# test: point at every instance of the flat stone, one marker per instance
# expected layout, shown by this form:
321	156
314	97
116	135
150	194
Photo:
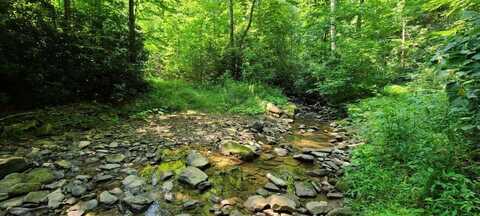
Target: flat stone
344	211
255	203
64	164
20	211
203	186
55	199
335	195
317	207
23	188
318	172
40	175
281	203
192	176
137	202
107	198
276	180
304	157
304	189
272	187
196	159
190	204
3	196
134	184
10	203
78	190
115	158
36	197
281	152
166	175
55	185
244	152
81	208
109	166
12	165
84	144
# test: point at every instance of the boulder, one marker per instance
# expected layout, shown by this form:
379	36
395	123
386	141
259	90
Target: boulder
12	165
196	159
192	176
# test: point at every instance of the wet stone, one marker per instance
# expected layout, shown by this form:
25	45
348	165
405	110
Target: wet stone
304	189
192	176
335	195
276	180
255	203
138	202
272	187
12	165
82	207
55	199
115	158
317	207
107	198
36	197
281	203
304	157
134	184
190	204
195	159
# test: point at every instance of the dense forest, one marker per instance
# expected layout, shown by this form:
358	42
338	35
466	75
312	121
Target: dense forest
239	107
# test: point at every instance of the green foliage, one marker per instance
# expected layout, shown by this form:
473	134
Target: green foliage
45	59
414	159
231	96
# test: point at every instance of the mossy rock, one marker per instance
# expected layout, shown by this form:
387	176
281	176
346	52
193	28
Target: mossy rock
341	185
9	181
23	188
36	197
242	151
40	176
12	165
290	109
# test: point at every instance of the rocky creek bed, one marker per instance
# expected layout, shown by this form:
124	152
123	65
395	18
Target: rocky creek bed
181	164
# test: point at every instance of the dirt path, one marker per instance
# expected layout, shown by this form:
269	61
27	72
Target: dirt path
184	163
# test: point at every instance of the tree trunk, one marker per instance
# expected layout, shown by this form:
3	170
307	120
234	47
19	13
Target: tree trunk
131	31
333	28
359	16
232	23
66	12
250	19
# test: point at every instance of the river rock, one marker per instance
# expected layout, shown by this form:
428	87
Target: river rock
82	207
343	211
137	202
270	107
12	165
304	157
276	180
107	198
115	158
64	164
196	159
317	207
192	176
281	152
304	189
334	195
78	190
10	203
55	199
36	197
281	203
272	187
134	184
255	203
84	144
244	152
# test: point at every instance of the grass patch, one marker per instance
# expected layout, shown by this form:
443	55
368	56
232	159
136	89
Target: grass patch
229	97
414	162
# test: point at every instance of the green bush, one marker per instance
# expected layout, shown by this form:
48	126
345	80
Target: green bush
413	162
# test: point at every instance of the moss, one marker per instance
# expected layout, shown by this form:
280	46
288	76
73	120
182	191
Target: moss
40	175
244	152
23	188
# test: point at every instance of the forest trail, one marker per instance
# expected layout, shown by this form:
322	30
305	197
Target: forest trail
182	163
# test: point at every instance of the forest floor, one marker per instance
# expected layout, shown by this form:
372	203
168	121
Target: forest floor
187	163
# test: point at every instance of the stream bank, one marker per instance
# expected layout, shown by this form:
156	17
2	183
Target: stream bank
183	163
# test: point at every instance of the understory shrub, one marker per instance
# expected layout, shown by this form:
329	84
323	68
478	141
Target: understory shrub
414	162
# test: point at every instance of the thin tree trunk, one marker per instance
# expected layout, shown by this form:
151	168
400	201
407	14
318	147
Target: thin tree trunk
403	45
333	28
232	23
131	29
250	19
66	12
359	16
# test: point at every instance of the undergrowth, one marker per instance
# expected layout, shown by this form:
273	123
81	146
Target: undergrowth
228	97
415	161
